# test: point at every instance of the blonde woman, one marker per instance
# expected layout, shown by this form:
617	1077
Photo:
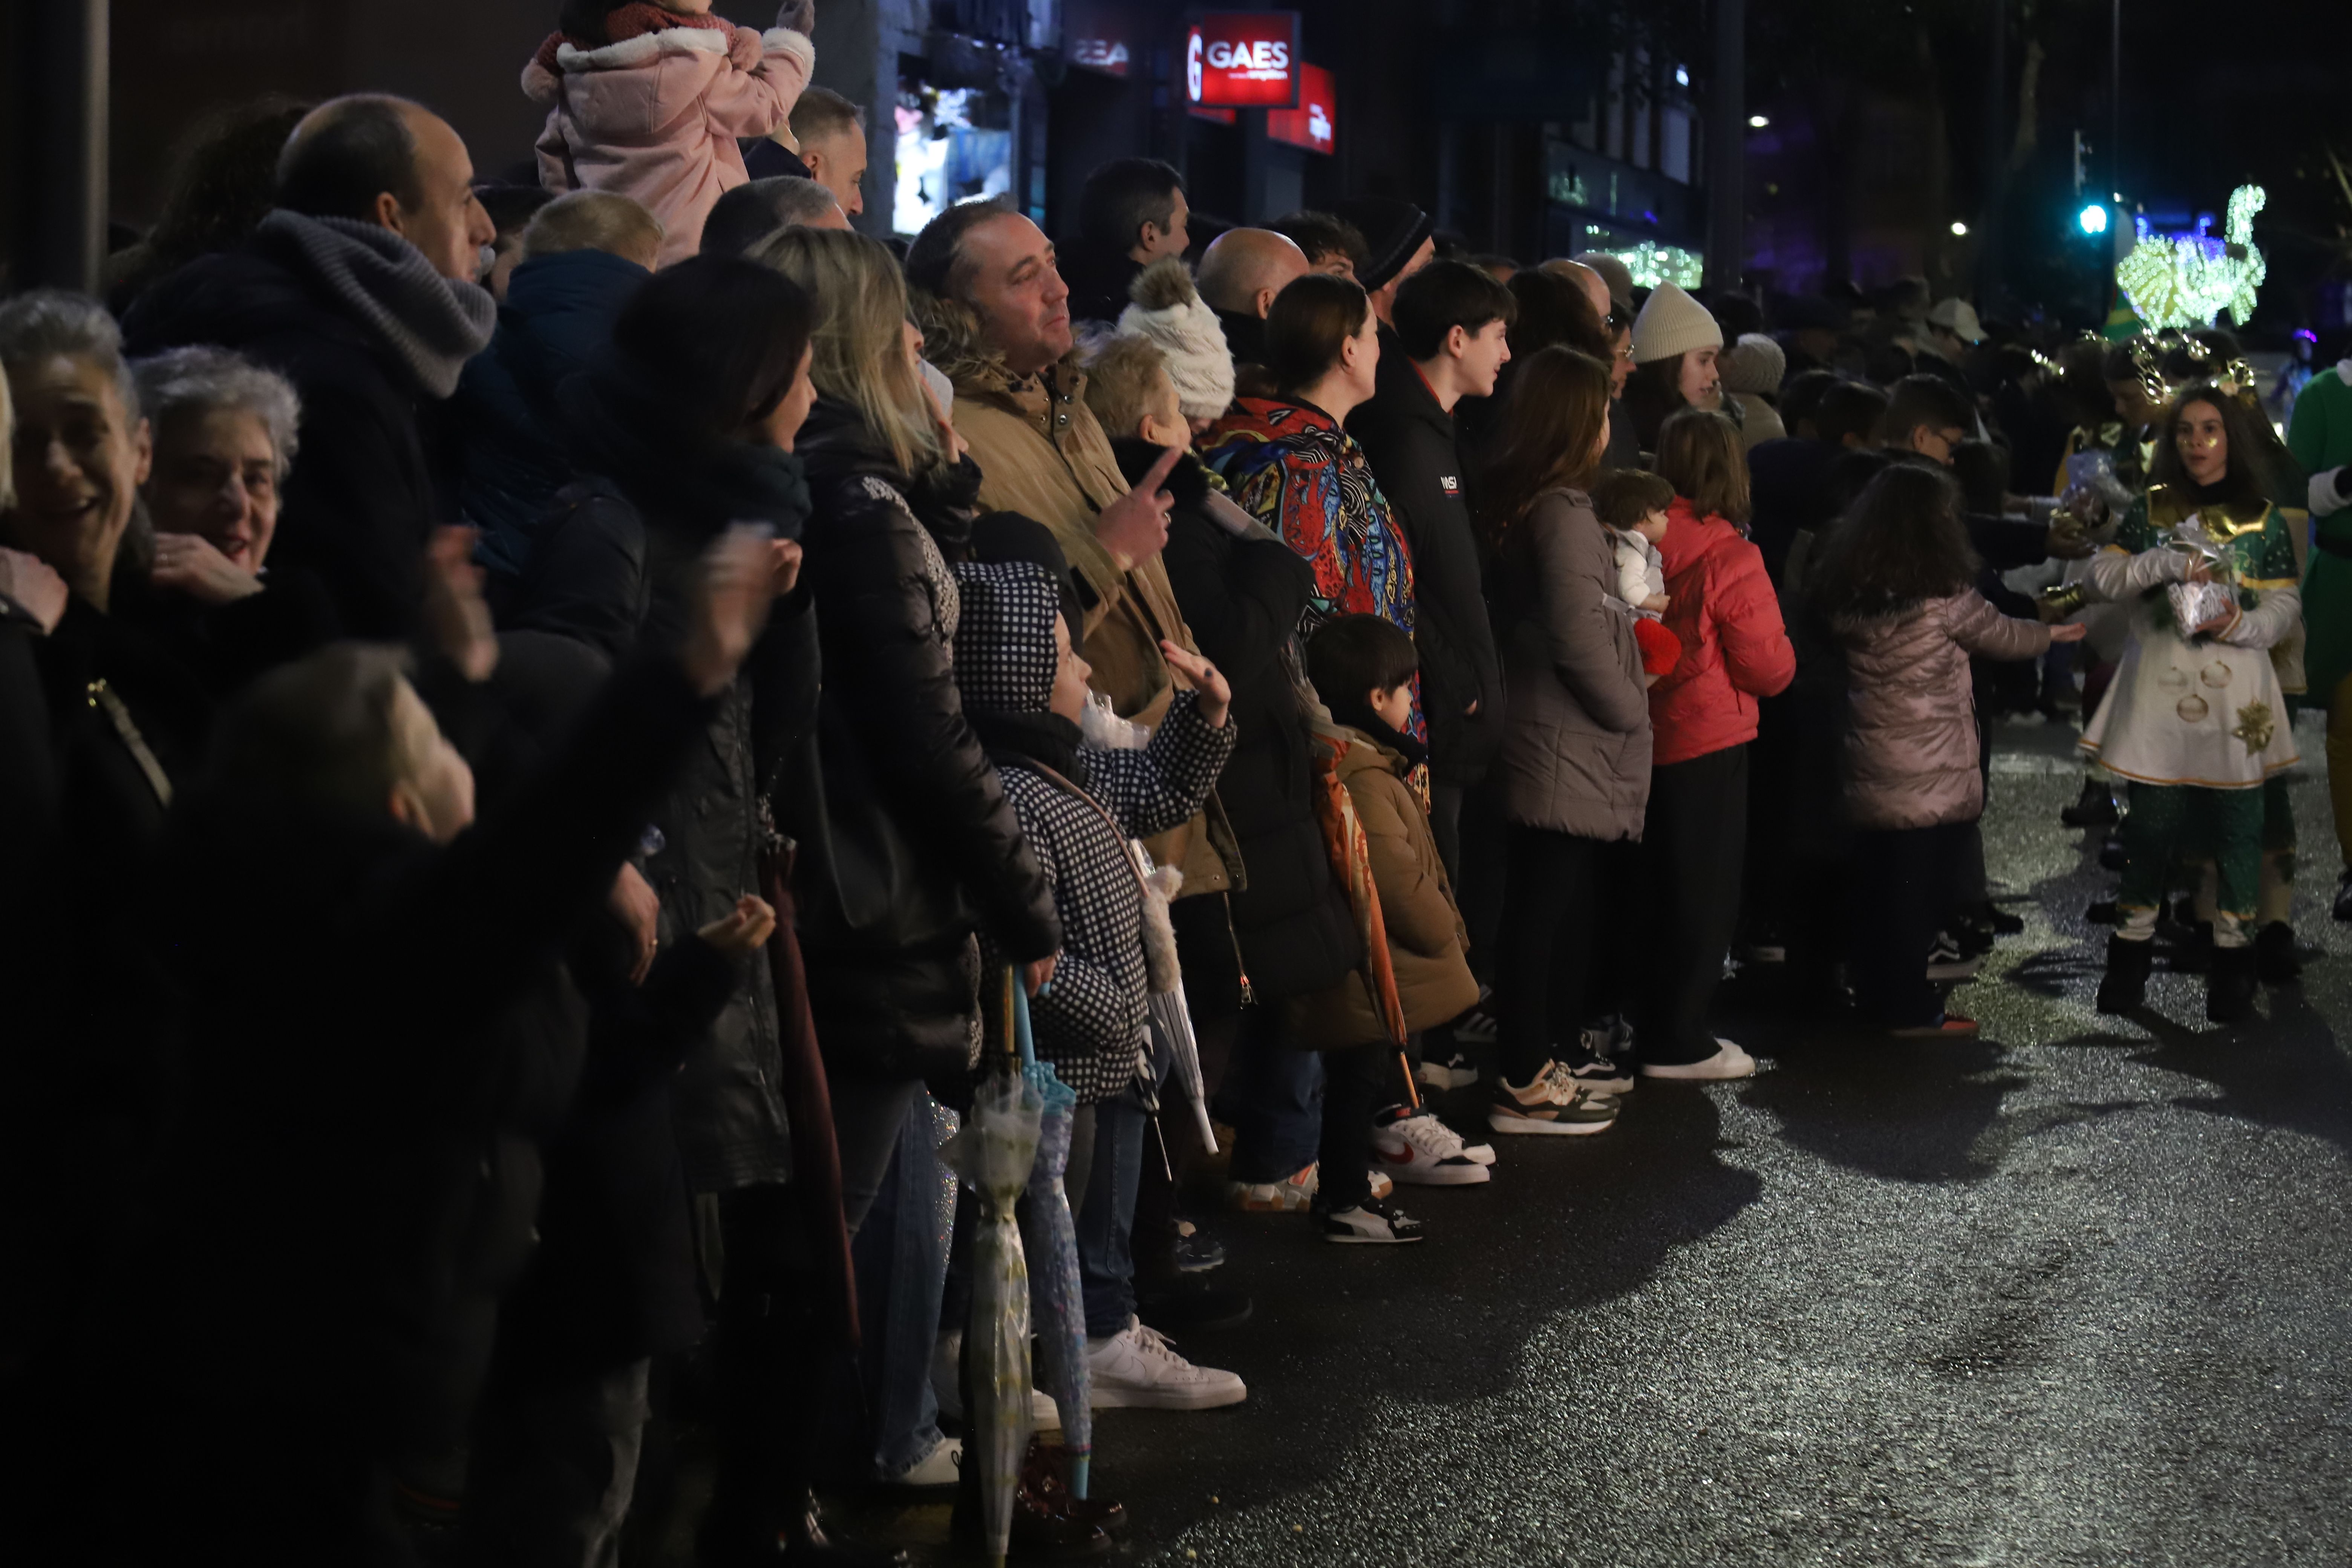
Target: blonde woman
910	849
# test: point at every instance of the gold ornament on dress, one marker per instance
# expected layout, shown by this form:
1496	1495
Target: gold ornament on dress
2254	726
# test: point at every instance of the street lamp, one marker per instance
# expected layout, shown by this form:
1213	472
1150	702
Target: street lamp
1960	229
1757	122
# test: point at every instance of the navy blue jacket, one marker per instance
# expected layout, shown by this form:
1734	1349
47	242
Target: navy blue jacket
559	311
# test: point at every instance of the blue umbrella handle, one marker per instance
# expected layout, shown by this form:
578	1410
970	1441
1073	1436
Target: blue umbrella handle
1021	1024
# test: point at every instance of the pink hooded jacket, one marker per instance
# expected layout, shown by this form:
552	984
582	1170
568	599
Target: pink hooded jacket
654	117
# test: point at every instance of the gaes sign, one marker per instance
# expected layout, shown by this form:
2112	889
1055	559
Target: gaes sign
1243	59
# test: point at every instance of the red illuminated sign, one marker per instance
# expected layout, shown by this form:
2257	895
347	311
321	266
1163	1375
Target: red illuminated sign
1243	59
1311	125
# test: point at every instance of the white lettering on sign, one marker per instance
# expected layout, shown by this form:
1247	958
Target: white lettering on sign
1265	59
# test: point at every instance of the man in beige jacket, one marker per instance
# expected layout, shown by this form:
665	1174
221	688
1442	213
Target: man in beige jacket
995	317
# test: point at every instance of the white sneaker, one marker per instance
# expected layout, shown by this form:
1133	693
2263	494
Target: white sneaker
1289	1195
1423	1152
1043	1414
940	1468
1551	1103
1728	1062
1137	1369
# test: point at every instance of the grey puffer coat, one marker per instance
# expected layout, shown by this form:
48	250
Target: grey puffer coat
1911	742
1576	735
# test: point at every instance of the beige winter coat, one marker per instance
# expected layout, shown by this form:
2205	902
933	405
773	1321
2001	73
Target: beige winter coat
1911	748
1576	726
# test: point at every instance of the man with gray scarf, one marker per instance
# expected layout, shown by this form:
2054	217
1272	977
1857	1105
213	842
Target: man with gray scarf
359	286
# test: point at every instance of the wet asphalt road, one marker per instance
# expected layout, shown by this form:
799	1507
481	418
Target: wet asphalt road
2072	1294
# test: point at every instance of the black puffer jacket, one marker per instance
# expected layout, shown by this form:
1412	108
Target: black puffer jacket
895	767
1411	442
613	572
1242	593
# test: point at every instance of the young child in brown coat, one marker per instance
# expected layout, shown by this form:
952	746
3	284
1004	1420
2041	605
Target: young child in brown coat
1362	668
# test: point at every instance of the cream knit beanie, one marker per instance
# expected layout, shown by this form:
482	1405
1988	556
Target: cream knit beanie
1672	324
1755	363
1168	311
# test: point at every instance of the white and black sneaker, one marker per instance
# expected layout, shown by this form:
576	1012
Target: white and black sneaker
1370	1224
1946	960
1446	1068
1420	1150
1587	1063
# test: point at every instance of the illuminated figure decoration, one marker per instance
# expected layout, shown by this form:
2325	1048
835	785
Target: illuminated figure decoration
2187	279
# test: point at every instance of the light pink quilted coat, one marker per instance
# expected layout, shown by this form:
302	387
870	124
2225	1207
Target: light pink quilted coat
654	117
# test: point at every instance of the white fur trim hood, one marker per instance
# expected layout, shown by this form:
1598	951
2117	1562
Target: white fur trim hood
646	48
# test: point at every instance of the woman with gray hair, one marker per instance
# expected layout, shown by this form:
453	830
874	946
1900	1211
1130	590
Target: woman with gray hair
225	434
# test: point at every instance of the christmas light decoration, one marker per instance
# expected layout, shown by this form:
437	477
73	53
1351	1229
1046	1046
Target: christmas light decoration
1652	264
2187	279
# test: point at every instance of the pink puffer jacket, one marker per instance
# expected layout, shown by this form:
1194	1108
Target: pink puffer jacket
654	117
1911	750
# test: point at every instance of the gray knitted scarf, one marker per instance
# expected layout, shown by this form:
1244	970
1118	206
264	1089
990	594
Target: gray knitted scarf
434	324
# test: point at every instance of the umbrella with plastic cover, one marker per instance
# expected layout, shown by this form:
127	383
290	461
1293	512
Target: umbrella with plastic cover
993	1153
1052	1238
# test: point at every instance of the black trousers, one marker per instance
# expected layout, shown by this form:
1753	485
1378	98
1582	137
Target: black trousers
1902	886
1694	845
1356	1082
1550	904
768	1387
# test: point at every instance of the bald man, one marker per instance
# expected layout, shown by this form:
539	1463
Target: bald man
1595	286
1240	272
358	288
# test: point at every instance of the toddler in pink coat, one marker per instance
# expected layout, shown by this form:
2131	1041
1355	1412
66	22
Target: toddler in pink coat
647	100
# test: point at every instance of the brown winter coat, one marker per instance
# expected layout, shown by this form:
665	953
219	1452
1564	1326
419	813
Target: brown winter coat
1043	453
1427	942
1911	745
1576	732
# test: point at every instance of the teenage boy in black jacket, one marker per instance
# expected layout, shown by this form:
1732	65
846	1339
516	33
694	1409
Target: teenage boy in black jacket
1451	318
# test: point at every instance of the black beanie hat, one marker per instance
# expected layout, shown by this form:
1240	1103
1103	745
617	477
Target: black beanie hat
1393	228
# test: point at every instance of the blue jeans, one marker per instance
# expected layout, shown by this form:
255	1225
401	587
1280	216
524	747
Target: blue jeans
1272	1099
901	1255
1106	1216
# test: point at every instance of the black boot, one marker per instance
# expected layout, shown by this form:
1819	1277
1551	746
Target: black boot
2095	807
2124	985
2229	988
2274	956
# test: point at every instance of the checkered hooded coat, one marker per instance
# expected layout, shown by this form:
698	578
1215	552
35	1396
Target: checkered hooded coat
1090	1024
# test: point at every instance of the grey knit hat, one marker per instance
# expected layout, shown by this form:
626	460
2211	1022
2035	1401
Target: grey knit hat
1755	363
1168	311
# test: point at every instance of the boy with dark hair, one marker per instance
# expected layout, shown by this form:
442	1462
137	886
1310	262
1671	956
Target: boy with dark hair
1132	212
1332	245
1362	668
1448	343
1925	415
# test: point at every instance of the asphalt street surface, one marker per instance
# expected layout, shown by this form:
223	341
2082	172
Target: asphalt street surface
2075	1293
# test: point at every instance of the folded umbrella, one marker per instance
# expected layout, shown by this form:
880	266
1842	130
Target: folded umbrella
1057	1303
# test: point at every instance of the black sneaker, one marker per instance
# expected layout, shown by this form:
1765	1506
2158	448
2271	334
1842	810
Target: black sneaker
1946	961
2002	922
2095	807
1370	1224
1190	1306
1478	1026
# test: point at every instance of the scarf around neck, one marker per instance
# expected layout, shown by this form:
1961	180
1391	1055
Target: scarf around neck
431	323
